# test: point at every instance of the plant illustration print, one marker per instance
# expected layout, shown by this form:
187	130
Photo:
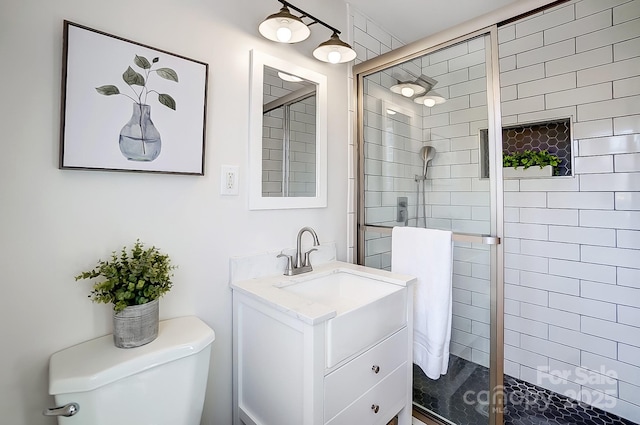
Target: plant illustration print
133	78
139	138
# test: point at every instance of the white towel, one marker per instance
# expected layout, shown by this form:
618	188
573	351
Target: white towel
428	255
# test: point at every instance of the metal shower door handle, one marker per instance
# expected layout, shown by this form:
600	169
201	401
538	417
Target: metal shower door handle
67	410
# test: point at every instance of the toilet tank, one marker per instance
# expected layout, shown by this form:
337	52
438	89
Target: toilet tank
160	383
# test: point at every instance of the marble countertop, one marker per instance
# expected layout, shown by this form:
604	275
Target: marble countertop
268	290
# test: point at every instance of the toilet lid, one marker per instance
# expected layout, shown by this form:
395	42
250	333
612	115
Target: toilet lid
92	364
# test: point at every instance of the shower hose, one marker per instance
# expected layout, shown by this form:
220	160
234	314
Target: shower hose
424	202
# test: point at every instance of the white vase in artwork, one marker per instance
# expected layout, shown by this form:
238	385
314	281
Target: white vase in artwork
139	138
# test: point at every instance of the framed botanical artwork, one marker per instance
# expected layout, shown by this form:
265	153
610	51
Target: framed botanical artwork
130	107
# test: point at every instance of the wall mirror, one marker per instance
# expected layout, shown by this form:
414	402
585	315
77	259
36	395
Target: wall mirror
288	135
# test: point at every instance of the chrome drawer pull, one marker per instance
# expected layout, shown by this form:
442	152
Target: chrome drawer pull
375	368
375	408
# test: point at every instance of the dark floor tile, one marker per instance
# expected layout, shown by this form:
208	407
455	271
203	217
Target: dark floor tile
462	397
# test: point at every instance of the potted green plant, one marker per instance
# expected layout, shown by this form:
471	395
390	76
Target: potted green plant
544	161
133	282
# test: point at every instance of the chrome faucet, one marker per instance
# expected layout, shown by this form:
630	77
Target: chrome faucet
301	263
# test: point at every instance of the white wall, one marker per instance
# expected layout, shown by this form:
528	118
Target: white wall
55	223
572	297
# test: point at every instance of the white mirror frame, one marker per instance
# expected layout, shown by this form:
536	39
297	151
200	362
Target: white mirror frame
256	201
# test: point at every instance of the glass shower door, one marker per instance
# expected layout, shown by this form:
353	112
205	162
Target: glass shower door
427	159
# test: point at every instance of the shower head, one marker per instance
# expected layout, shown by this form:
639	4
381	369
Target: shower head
426	153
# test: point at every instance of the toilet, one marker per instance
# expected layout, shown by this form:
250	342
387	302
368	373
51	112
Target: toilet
160	383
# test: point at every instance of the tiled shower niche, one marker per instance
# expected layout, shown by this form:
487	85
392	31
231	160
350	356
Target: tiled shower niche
552	136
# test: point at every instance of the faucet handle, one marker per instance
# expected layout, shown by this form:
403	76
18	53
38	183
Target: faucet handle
288	271
307	261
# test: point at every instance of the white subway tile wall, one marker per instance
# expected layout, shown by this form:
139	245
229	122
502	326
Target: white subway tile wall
573	264
457	199
572	273
368	40
301	158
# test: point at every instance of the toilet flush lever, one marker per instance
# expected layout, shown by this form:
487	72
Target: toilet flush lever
68	409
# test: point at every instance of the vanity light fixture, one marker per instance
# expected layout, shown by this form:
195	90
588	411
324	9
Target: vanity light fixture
288	77
408	89
285	27
430	99
334	50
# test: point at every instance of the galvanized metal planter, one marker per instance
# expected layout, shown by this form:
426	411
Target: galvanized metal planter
136	325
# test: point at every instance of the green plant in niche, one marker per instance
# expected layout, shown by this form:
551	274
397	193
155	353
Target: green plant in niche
529	158
133	78
131	278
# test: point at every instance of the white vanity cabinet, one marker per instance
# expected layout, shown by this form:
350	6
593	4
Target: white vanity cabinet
372	387
288	369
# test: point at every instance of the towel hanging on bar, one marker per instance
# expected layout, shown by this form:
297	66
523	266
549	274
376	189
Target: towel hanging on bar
428	255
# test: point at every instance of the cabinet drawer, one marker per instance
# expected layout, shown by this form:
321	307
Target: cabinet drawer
349	382
379	404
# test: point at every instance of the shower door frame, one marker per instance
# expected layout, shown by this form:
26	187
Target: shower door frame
411	51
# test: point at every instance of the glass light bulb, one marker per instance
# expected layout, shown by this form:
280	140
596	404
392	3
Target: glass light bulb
334	56
429	102
407	91
283	34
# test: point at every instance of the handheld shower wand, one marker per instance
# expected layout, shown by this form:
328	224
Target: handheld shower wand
427	153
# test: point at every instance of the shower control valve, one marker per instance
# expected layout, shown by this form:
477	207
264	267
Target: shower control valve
402	215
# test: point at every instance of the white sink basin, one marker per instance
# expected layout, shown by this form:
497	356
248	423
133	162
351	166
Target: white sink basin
341	290
367	308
